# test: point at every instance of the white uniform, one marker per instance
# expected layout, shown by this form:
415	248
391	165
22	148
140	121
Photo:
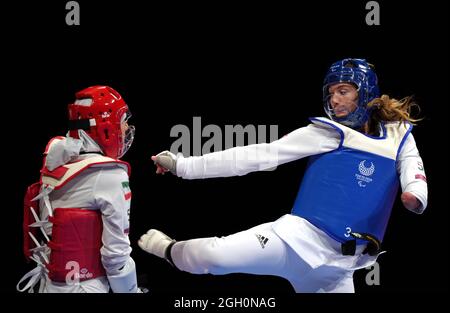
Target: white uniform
96	188
312	261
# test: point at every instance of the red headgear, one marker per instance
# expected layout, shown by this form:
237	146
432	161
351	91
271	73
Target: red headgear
100	111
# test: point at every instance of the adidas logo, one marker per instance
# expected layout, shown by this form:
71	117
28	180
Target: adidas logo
262	240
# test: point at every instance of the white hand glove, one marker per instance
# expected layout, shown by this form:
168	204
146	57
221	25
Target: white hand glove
165	161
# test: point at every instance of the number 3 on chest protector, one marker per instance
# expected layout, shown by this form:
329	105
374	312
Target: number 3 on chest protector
349	230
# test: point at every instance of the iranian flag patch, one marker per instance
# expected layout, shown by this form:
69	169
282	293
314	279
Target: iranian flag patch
127	190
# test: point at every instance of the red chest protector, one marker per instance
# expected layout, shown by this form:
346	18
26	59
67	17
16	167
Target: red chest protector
76	232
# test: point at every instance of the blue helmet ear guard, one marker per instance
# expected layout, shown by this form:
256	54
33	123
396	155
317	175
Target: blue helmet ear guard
359	73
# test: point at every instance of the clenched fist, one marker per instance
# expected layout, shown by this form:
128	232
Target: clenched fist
165	161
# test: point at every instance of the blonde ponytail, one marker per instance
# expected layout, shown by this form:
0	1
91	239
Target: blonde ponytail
390	109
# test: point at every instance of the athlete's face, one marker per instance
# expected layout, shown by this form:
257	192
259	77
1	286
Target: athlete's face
124	127
127	134
343	98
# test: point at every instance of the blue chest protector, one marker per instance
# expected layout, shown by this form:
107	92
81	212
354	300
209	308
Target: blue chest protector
352	188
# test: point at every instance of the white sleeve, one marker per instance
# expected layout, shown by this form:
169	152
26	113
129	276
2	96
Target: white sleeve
412	173
111	193
306	141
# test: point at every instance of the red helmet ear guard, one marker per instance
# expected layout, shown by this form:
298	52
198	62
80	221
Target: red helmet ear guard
98	110
106	133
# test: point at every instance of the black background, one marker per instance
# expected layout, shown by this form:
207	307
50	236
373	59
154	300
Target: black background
229	63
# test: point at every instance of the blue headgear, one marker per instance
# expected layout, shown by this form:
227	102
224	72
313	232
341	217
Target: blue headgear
359	73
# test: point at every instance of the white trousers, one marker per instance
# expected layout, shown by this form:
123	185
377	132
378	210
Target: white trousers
96	285
260	250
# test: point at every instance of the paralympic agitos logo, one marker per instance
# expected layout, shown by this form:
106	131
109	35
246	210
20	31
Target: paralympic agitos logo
366	170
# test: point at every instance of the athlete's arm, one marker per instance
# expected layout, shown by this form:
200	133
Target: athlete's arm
238	161
412	177
112	195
